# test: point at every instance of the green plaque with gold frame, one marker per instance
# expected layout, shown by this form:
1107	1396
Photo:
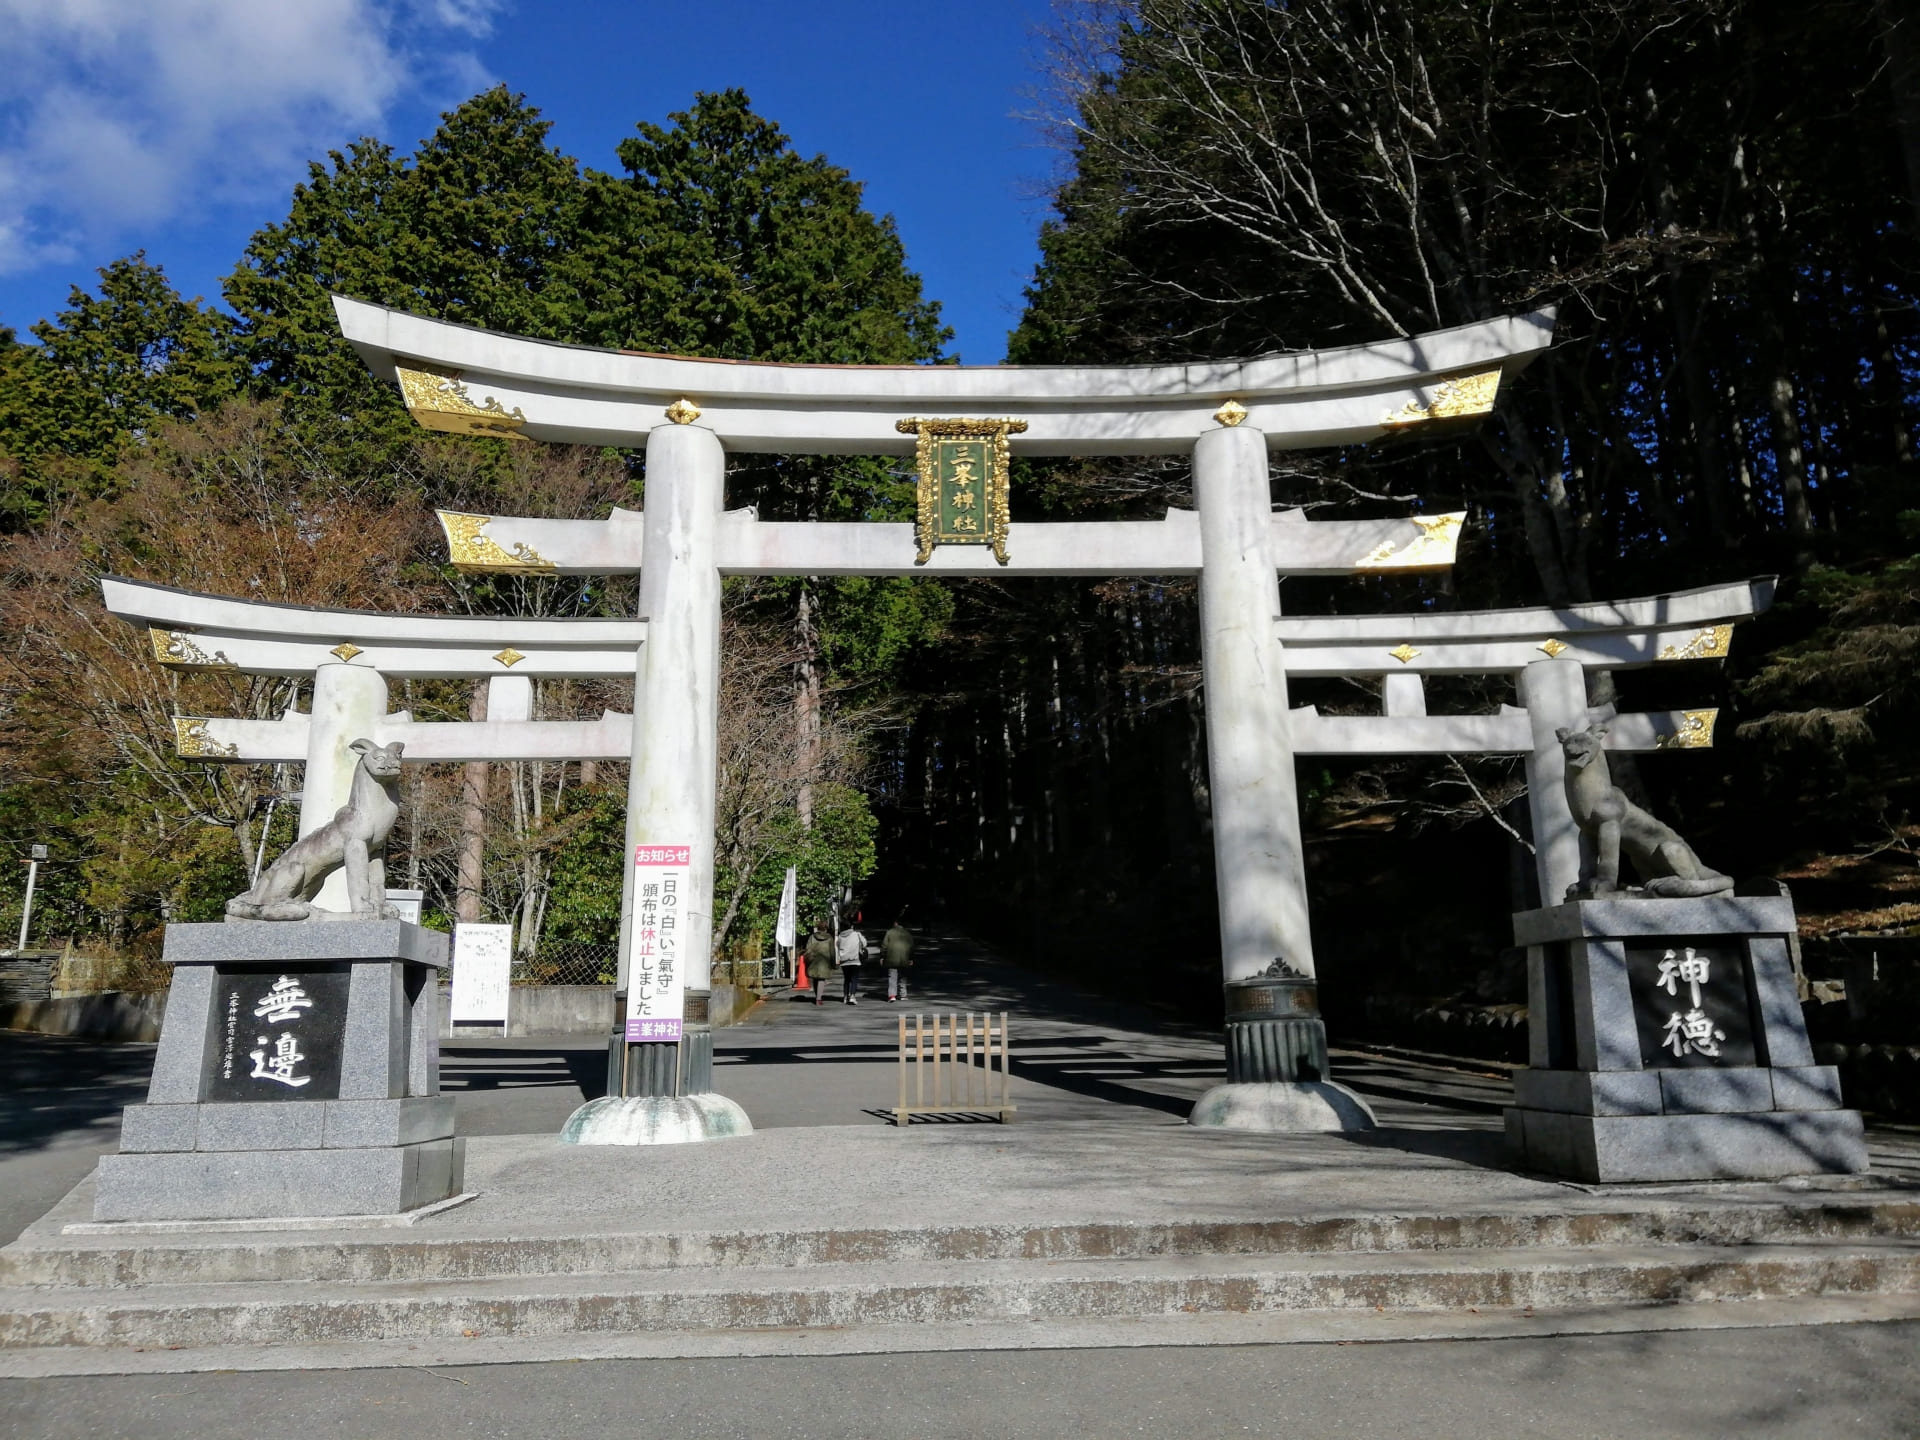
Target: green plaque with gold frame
963	483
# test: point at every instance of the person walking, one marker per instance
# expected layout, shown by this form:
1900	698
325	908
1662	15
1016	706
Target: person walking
850	951
898	948
819	956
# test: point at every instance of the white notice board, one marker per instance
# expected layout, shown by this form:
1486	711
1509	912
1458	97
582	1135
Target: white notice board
482	973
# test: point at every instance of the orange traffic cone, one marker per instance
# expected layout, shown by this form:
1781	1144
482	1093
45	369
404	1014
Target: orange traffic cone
801	983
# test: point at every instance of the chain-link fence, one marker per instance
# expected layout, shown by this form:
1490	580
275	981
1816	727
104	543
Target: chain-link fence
597	962
569	962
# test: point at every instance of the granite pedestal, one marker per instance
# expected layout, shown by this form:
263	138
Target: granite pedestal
1666	1043
298	1073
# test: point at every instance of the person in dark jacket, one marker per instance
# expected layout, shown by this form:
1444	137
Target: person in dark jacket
898	948
819	956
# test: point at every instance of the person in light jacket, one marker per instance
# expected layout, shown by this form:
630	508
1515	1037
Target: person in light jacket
819	955
898	948
850	951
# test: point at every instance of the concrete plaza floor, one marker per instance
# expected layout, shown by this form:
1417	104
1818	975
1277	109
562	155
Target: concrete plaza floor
1101	1088
1789	1384
1076	1057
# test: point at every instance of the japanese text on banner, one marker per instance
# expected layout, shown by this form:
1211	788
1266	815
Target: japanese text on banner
656	976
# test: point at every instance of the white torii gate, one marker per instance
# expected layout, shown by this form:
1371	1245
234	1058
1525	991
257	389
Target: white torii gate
1545	651
689	413
351	654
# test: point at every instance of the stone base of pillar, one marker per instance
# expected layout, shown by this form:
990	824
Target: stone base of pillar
1262	1050
1274	1030
297	1074
661	1093
1277	1062
1282	1105
666	1068
654	1120
278	1184
685	1068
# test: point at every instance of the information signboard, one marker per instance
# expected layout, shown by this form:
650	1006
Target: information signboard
482	973
408	903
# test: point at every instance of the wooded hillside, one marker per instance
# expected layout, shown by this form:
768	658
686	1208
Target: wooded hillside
1720	198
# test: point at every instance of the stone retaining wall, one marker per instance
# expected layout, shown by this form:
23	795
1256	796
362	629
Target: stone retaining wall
109	1016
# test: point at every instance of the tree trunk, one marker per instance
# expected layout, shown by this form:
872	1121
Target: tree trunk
1790	458
1685	310
1886	389
1900	34
1548	521
1702	418
475	780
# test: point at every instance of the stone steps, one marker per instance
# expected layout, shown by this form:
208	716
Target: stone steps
824	1295
349	1257
212	1289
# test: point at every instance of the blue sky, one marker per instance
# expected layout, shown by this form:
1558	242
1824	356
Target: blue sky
180	126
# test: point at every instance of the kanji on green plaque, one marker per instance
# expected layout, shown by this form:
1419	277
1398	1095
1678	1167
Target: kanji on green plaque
964	468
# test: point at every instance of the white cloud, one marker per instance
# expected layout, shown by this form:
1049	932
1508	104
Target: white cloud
127	113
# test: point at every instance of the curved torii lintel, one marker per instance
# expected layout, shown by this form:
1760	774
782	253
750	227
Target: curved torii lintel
191	630
463	379
1682	625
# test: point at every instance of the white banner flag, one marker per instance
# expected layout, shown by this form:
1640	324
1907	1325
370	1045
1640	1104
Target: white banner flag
784	928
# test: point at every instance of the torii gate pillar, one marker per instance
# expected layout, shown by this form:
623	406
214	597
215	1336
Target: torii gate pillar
1555	694
1276	1041
661	1091
349	702
1258	856
676	699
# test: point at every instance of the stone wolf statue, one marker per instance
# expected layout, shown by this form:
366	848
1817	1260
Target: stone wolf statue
1667	865
356	839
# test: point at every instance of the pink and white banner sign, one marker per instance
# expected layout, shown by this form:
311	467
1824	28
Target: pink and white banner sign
656	976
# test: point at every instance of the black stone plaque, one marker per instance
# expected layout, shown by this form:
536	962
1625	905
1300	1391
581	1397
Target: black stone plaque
1691	1005
277	1034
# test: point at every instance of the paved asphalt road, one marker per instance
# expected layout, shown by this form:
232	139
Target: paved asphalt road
60	1103
795	1065
1752	1384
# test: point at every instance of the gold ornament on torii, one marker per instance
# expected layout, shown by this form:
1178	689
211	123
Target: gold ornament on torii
437	399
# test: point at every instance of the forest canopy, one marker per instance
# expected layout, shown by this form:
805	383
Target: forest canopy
246	450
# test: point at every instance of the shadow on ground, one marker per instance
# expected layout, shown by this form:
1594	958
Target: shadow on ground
52	1086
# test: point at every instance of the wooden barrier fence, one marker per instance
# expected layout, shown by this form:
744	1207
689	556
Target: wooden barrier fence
952	1060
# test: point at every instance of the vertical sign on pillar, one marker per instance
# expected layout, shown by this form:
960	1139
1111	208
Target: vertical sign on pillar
657	965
